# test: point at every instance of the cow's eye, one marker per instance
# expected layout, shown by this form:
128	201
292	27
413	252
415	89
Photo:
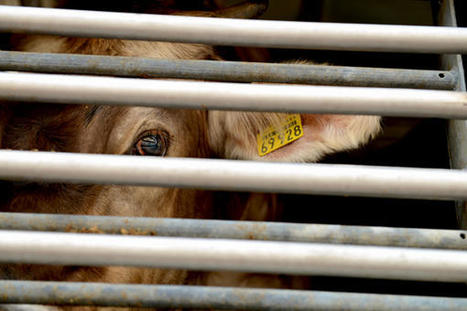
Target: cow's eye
151	143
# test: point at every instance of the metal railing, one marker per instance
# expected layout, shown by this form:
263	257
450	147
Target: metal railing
434	255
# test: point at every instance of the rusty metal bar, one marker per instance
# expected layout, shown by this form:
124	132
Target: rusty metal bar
165	296
221	229
72	89
54	248
440	184
224	31
227	71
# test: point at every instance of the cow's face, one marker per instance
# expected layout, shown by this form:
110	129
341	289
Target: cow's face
136	131
149	132
157	132
133	131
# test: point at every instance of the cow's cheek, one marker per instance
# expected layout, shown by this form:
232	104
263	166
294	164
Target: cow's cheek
135	201
151	202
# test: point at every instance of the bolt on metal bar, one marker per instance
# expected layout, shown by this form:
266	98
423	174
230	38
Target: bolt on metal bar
227	71
233	255
221	229
234	175
223	31
31	87
199	297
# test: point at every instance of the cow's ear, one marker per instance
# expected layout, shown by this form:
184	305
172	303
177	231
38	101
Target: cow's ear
287	137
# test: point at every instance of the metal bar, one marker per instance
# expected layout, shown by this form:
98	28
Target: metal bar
221	229
166	296
457	130
227	71
216	31
234	175
233	255
47	88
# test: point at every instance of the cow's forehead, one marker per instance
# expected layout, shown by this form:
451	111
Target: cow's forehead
120	126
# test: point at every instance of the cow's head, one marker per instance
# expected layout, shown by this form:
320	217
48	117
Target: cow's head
156	132
141	131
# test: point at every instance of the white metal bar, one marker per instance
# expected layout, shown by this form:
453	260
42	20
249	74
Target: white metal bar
233	255
32	87
234	175
279	34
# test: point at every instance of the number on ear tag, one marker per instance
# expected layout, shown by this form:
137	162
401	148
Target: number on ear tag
273	138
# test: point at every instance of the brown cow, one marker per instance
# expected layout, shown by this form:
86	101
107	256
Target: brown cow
141	131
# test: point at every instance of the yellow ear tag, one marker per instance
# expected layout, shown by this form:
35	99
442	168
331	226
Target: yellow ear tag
273	138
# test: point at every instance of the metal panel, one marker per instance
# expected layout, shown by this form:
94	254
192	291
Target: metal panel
233	255
234	175
159	296
231	96
227	71
278	34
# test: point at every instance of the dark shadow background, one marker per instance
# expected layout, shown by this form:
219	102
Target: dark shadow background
407	143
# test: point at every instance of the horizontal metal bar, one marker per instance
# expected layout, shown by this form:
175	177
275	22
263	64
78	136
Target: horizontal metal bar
227	71
216	31
234	175
47	88
166	296
221	229
233	255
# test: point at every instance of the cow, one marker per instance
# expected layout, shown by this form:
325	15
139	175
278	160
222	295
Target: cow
158	132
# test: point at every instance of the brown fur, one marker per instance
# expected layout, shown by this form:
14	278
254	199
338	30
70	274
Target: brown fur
113	130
